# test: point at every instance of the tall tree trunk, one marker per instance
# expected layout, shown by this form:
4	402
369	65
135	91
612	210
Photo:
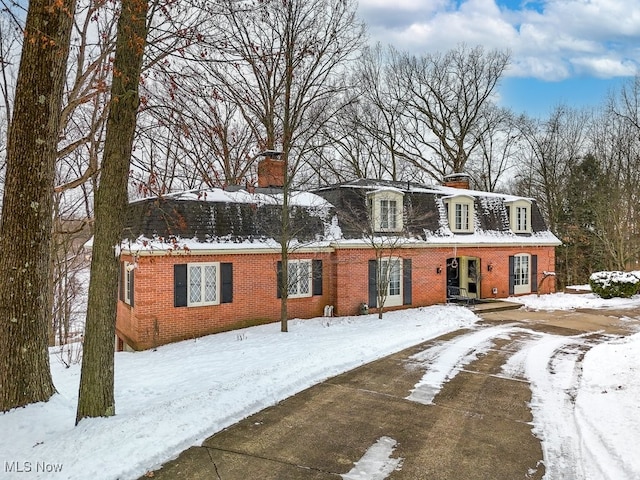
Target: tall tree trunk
96	396
25	228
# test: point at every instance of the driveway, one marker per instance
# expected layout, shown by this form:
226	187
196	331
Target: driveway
444	409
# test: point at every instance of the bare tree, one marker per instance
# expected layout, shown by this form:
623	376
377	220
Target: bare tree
499	149
447	97
25	228
11	35
552	146
280	63
96	395
385	223
367	133
617	148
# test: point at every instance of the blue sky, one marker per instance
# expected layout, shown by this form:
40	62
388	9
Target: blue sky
571	52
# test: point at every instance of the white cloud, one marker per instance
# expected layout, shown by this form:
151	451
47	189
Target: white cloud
605	67
550	40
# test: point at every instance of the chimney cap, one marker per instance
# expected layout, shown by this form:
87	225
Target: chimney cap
457	176
457	180
270	154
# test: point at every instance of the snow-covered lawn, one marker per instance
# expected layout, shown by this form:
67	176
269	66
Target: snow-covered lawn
175	397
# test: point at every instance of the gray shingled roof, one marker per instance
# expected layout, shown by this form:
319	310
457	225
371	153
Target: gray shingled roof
216	221
422	206
239	216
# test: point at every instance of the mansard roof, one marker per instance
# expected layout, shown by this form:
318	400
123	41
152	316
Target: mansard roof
425	212
227	216
335	213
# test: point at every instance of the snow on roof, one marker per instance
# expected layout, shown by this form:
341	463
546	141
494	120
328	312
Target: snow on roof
482	237
144	245
483	234
456	192
257	197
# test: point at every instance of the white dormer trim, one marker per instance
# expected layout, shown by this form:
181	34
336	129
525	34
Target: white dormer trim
519	212
386	210
460	213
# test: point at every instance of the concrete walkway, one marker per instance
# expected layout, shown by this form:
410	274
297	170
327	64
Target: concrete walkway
478	426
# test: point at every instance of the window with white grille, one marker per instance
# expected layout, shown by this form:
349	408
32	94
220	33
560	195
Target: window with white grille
390	271
462	216
385	210
299	278
522	273
203	282
519	212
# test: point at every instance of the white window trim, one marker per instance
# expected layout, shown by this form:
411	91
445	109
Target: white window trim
513	216
397	299
202	284
521	284
375	201
299	281
128	271
452	203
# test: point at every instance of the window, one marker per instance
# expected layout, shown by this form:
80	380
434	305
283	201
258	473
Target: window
199	284
385	210
127	282
394	275
390	271
388	214
299	278
521	270
521	274
460	212
304	278
203	280
128	275
462	216
521	218
519	213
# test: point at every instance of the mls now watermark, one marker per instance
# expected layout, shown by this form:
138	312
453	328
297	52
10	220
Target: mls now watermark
32	467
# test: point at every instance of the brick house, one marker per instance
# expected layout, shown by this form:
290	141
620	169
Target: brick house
202	262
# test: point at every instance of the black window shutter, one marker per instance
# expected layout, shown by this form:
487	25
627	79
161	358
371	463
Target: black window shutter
316	273
406	281
180	285
512	274
279	279
373	283
121	278
131	284
534	273
226	280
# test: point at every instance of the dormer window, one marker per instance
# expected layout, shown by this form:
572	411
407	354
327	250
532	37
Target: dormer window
385	208
388	214
460	212
520	216
461	216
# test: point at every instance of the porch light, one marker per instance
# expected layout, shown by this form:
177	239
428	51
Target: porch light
490	267
439	269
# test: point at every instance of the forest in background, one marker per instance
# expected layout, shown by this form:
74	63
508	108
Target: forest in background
224	80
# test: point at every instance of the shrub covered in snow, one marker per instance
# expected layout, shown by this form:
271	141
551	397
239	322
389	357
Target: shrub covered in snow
615	284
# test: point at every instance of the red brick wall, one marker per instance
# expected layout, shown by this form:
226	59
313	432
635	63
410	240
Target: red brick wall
154	320
429	287
271	173
498	277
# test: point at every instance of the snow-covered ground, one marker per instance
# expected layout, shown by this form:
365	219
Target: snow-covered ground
176	396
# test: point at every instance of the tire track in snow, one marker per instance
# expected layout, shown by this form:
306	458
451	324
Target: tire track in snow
553	366
444	361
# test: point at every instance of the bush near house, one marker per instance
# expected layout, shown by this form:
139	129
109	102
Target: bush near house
615	284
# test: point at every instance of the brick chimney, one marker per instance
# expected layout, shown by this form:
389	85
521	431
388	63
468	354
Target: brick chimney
271	170
456	180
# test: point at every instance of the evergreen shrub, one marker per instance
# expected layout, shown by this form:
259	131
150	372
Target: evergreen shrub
615	284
